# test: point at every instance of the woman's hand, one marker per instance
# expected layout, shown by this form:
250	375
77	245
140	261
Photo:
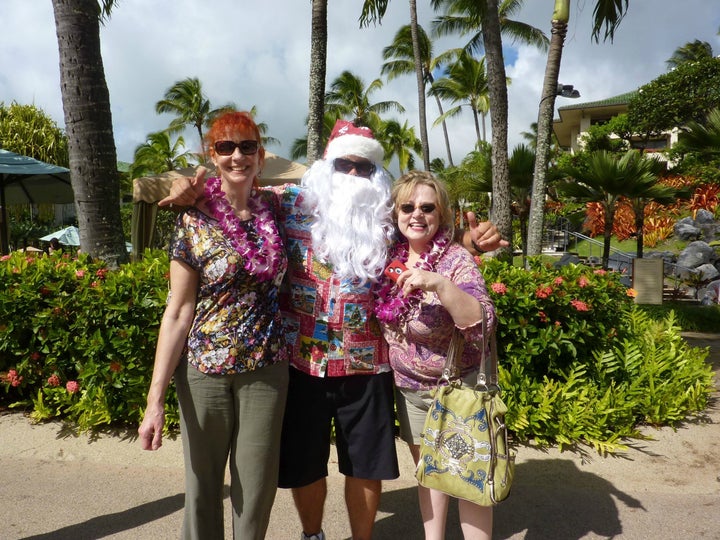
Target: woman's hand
415	278
150	431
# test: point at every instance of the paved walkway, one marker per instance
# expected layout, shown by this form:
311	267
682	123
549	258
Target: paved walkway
56	485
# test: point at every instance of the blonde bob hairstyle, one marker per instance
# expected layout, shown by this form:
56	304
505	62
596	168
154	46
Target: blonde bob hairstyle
405	185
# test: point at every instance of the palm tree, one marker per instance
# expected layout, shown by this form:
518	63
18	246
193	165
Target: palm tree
607	14
187	101
318	66
348	97
465	83
399	60
690	52
157	155
374	10
88	124
607	178
465	17
299	148
703	139
399	141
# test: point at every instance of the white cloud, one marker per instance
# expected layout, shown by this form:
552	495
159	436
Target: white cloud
257	54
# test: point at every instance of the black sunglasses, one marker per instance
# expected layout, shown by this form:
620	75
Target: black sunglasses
362	168
226	148
409	208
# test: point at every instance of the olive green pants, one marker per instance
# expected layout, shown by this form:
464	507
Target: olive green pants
237	417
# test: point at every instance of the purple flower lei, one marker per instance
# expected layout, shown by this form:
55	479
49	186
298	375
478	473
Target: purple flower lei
263	263
390	304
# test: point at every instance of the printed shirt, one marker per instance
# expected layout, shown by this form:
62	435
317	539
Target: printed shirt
418	348
329	323
237	325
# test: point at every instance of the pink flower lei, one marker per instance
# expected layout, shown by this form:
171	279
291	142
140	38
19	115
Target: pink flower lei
390	304
264	261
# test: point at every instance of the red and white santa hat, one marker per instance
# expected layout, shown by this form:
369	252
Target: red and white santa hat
347	139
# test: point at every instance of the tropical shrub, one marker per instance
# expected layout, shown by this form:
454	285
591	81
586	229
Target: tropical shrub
580	363
78	340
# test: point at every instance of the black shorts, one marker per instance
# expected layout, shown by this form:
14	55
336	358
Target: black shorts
362	408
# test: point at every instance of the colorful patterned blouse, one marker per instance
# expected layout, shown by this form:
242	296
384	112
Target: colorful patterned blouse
329	323
237	325
418	349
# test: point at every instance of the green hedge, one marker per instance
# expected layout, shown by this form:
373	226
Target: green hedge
580	363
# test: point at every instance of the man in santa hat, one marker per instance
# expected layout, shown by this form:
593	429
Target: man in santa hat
338	224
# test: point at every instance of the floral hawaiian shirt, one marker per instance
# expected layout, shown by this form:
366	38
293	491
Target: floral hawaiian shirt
237	325
418	348
329	322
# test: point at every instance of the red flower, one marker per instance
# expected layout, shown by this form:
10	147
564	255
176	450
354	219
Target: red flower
35	356
579	305
583	282
72	386
13	378
600	272
559	280
115	367
53	380
543	316
499	288
101	273
543	292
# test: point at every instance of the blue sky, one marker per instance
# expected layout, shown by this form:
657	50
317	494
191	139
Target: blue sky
257	54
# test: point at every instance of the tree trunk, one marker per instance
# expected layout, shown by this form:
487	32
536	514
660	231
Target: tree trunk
544	129
445	132
639	226
88	124
420	84
318	65
497	91
607	236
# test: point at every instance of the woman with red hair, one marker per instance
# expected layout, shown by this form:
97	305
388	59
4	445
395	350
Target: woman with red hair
222	341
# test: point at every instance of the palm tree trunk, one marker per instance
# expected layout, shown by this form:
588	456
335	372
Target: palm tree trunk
497	92
88	124
607	236
545	117
639	226
445	131
420	84
318	66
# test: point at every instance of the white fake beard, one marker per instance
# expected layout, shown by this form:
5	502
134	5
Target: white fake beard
353	221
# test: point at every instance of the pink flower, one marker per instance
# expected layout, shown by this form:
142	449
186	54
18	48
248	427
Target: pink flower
72	386
543	316
632	293
4	258
600	272
499	288
579	305
583	282
101	273
53	380
13	378
79	273
35	356
559	280
543	292
94	284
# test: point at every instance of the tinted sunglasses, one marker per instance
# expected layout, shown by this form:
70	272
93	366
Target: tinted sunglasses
362	168
409	208
226	148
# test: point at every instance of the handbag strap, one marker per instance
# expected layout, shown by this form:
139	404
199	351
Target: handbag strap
488	373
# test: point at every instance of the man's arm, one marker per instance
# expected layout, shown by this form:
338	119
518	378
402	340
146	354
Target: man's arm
185	191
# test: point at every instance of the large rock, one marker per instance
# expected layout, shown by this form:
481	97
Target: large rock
695	254
686	229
